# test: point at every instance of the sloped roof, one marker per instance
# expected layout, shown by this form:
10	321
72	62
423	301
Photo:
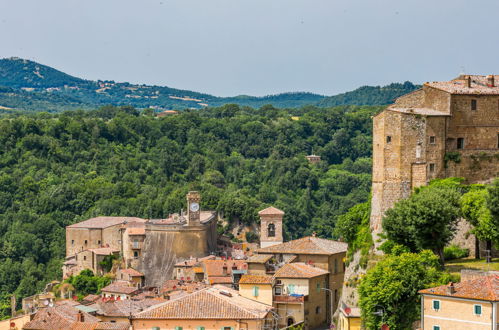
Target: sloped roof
119	287
259	258
131	272
299	270
457	86
125	307
104	222
60	317
216	302
271	211
482	288
256	279
216	267
307	245
136	231
103	251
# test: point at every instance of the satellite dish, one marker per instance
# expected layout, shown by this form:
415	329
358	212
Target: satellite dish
46	302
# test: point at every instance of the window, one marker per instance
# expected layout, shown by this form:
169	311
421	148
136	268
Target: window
84	257
336	266
432	140
473	104
156	328
436	327
291	288
73	241
432	167
477	309
135	254
98	243
335	298
85	242
317	310
278	291
135	244
200	328
388	139
436	305
460	143
227	328
176	328
318	286
271	230
255	291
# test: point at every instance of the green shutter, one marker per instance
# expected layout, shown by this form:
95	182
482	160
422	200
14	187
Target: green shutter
200	328
436	327
178	328
436	305
478	309
318	287
255	291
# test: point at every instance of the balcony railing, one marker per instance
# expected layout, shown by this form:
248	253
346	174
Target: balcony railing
290	298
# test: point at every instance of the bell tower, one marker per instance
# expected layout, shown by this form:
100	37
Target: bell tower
193	208
270	226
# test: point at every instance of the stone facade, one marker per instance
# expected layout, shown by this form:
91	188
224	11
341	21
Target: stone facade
270	226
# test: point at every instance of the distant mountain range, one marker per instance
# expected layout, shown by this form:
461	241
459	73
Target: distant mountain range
27	85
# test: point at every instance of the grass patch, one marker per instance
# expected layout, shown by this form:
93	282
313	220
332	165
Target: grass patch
455	266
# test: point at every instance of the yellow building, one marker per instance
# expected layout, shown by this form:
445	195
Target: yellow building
470	304
257	287
216	308
349	318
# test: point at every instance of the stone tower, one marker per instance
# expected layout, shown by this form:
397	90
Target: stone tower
270	226
193	208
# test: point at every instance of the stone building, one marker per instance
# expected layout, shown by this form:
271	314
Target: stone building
150	246
445	129
270	226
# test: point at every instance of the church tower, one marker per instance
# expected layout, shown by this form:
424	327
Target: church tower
193	208
270	226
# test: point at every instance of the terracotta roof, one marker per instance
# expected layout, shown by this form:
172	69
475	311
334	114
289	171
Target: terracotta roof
100	326
307	245
136	231
193	261
216	302
259	258
118	308
204	216
299	270
220	280
131	272
92	297
119	287
57	318
172	285
418	111
483	288
271	211
256	279
103	251
104	222
458	86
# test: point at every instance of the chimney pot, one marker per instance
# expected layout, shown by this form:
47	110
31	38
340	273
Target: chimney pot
491	80
467	81
451	289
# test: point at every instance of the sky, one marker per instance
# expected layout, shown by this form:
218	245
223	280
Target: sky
255	47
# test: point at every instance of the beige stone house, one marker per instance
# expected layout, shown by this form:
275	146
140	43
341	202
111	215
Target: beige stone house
471	304
213	308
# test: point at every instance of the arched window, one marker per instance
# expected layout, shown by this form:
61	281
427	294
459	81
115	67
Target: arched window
271	230
291	321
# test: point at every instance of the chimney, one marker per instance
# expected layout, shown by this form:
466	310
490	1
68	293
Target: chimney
467	81
451	289
490	80
79	317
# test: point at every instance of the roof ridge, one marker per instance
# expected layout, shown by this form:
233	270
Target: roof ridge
222	297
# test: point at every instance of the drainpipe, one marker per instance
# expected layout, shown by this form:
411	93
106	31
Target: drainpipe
422	311
494	316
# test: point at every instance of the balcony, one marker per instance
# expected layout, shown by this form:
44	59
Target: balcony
136	245
296	299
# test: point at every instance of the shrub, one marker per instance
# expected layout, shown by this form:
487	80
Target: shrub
251	237
455	252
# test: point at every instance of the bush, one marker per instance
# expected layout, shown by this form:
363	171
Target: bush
251	237
455	252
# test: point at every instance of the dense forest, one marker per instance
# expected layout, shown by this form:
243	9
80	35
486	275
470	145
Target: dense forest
56	169
27	85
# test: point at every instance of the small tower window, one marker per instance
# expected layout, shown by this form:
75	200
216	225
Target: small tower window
432	168
84	257
388	139
271	230
73	241
86	242
135	254
432	140
460	143
473	104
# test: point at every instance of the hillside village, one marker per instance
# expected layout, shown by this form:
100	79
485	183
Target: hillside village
181	273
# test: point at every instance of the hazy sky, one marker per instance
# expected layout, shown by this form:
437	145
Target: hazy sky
256	47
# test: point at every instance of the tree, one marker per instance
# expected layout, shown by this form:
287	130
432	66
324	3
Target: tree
492	203
425	220
393	285
474	209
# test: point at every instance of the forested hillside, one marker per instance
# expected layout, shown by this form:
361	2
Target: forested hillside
27	85
59	169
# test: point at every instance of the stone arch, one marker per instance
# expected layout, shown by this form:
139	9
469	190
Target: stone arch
271	230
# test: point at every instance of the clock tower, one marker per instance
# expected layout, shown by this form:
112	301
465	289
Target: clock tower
193	208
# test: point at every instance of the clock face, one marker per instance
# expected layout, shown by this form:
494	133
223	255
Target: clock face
194	207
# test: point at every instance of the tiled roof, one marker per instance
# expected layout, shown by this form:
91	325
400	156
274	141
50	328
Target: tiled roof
220	280
60	317
193	261
131	272
271	211
418	111
483	288
103	251
124	307
104	222
307	245
91	297
119	287
172	285
259	258
100	326
255	279
458	86
216	267
299	270
216	302
136	231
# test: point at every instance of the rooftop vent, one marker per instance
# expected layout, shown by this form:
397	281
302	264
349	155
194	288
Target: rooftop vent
451	289
225	293
490	80
467	81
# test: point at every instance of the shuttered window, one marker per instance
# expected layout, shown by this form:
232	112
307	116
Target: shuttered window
478	309
436	305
